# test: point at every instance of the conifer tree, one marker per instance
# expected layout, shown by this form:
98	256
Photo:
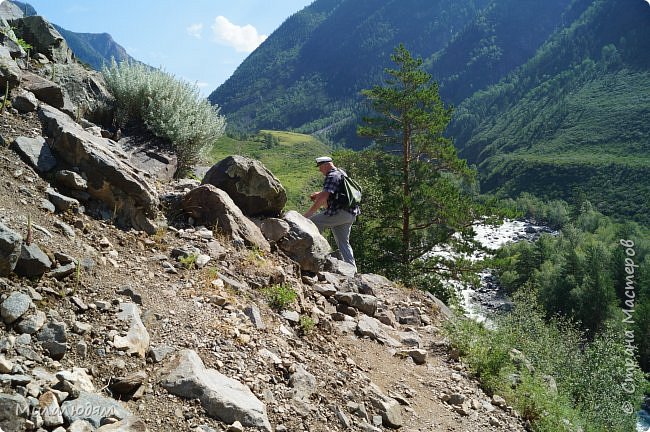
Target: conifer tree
417	190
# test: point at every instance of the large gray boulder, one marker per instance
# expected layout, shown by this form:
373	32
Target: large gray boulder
85	91
222	397
10	246
255	190
211	206
45	90
150	155
44	38
111	178
35	152
304	244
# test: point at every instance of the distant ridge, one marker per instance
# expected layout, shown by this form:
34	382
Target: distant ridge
94	49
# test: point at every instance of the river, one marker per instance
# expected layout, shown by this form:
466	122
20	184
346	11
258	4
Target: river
483	301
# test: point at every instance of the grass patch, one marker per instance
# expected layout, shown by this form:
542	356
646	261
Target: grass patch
280	297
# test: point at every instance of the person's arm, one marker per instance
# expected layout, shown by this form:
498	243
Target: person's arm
320	200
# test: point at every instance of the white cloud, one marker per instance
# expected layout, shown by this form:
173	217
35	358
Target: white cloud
195	30
242	39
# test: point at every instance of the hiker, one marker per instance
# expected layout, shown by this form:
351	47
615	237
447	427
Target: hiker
337	215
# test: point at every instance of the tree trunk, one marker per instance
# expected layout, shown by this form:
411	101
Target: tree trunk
406	213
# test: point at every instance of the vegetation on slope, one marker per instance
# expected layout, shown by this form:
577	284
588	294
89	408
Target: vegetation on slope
578	298
170	108
571	121
307	76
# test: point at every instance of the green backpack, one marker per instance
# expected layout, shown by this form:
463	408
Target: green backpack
350	196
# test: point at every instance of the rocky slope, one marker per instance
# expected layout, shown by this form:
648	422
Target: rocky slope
105	327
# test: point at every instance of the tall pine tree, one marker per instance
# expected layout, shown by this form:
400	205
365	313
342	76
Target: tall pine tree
417	192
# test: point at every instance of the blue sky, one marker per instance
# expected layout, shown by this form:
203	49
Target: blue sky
200	41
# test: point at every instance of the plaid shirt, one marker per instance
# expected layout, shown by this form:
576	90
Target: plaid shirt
334	185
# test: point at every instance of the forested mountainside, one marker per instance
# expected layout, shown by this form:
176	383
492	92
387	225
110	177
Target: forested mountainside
308	74
550	96
94	49
572	122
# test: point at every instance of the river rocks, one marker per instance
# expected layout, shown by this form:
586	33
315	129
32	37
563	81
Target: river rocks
10	247
304	243
253	188
213	207
111	178
222	397
14	307
136	340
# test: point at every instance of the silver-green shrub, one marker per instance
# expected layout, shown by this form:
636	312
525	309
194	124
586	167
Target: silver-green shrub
170	108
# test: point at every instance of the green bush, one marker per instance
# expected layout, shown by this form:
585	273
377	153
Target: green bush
280	297
588	373
307	324
171	109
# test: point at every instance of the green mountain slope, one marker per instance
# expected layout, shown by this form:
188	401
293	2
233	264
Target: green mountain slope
308	74
573	120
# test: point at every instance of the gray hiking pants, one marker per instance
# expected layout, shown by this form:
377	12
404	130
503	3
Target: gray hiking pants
340	223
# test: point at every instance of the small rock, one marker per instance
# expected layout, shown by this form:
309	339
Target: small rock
14	307
5	365
50	410
66	229
253	313
236	427
32	323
